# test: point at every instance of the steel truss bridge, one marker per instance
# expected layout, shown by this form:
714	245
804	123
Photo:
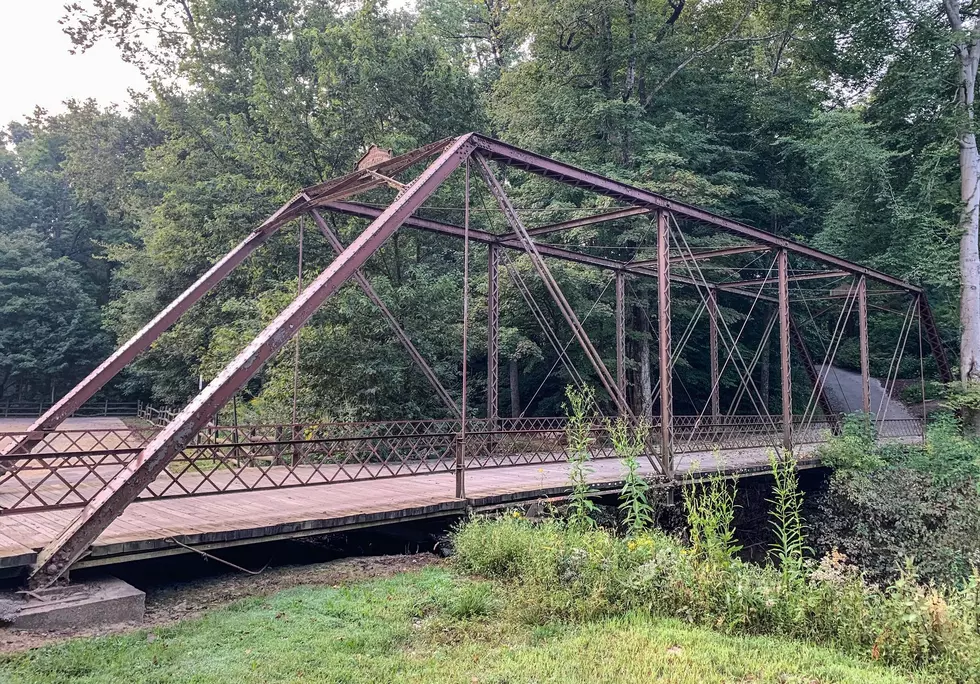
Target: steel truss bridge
71	498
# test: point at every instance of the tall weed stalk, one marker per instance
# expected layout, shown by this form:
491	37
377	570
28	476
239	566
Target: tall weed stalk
786	520
629	442
578	433
710	508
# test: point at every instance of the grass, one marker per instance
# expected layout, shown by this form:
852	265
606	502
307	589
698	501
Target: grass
426	626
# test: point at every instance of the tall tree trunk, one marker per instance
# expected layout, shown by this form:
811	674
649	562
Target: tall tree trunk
631	60
968	55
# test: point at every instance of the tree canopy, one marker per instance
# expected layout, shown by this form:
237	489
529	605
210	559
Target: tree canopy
834	123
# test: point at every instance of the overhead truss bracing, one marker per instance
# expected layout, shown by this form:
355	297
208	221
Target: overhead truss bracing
675	265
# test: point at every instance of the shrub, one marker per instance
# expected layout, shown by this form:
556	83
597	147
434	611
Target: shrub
854	448
786	519
500	548
891	502
710	508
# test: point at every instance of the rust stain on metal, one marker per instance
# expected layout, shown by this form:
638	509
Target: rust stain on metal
137	469
374	156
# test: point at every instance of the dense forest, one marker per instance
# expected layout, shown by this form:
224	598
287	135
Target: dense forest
839	124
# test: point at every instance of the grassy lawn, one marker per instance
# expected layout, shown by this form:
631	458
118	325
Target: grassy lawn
425	626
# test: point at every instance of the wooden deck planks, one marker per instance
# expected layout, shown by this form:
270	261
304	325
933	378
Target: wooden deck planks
152	524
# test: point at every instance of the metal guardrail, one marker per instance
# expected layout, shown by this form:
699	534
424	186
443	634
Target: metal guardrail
68	467
106	408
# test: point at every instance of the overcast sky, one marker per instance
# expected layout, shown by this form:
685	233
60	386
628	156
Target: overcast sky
37	69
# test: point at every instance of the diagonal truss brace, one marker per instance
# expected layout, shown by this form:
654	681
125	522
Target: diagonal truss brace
818	382
338	188
608	382
139	342
400	333
123	489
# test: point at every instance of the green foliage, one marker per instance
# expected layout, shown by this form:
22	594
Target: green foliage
578	435
956	397
786	520
569	574
630	441
855	448
710	508
723	104
51	329
887	502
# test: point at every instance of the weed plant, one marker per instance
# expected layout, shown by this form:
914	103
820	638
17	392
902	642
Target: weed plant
561	570
578	433
629	441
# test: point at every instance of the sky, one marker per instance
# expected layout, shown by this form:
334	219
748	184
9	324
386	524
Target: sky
37	69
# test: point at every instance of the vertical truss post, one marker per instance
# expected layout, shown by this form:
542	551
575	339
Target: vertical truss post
621	332
493	333
663	323
294	432
386	313
862	293
713	353
461	451
55	558
510	214
784	349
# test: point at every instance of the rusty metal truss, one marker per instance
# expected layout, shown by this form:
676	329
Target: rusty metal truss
101	473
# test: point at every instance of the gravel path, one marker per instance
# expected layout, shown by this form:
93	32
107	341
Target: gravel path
844	392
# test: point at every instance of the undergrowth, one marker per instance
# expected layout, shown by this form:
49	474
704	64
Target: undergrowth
426	626
886	501
560	570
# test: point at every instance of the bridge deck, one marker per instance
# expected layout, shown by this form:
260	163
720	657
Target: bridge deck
153	527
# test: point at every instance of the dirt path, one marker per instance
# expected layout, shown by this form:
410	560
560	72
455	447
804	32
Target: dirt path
82	423
166	605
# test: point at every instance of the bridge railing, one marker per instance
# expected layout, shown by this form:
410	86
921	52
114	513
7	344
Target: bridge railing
68	467
94	408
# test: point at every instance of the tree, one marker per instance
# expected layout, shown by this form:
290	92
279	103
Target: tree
966	40
50	331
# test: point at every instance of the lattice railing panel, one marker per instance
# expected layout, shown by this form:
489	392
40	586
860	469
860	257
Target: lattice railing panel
68	467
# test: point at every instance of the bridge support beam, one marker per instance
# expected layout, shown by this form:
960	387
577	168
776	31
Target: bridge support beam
110	502
400	333
934	340
663	325
461	443
862	294
621	332
785	378
493	334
